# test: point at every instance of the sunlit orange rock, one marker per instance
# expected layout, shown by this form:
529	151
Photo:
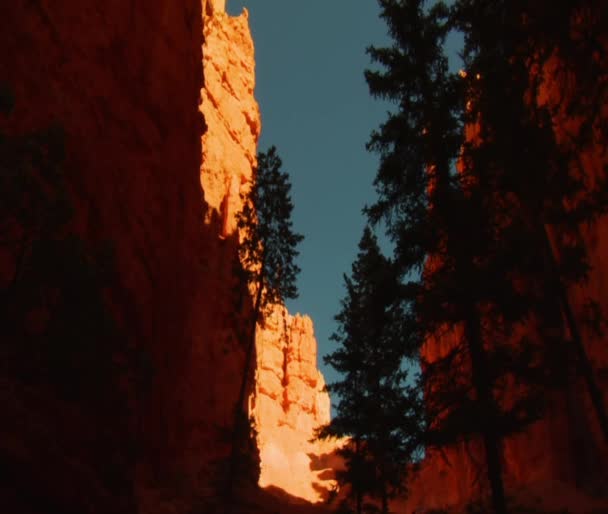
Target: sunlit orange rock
216	356
288	404
289	400
230	111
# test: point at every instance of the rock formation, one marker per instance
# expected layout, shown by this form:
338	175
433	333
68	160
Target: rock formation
230	112
288	404
289	401
161	126
156	100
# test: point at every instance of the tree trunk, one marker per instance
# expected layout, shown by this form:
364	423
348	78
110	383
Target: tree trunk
251	345
358	493
233	467
384	498
493	459
483	389
583	363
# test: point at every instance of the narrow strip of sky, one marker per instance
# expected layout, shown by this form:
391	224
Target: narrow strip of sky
316	108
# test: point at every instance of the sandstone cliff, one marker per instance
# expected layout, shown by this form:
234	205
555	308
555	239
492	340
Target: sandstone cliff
288	401
288	404
161	125
123	81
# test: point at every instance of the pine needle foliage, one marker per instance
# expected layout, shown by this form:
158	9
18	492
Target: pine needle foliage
268	251
267	254
471	181
377	408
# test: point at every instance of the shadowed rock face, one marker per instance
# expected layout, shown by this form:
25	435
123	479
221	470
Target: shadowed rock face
161	128
125	82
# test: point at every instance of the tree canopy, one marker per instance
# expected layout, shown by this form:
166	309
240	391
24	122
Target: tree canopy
472	180
269	247
267	254
378	408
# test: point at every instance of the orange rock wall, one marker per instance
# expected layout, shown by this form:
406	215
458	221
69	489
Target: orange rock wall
231	113
156	100
289	402
123	80
215	362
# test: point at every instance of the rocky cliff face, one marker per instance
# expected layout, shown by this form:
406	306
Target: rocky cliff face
156	102
231	114
288	401
288	404
123	81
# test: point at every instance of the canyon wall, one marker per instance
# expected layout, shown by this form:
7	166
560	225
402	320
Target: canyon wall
123	81
156	103
289	402
125	84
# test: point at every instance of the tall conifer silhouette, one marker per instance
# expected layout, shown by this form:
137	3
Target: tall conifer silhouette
267	255
376	407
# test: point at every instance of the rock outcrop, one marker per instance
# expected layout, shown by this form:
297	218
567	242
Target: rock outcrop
125	83
289	401
156	101
288	404
230	112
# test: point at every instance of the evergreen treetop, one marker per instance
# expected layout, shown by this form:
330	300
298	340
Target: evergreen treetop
268	249
377	407
267	254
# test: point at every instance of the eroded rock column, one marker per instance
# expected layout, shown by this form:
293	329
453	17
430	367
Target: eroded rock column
288	404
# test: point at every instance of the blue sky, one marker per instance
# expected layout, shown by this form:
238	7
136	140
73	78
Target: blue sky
316	109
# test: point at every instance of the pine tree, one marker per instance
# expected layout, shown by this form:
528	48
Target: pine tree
474	236
541	181
267	255
445	227
376	407
268	249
